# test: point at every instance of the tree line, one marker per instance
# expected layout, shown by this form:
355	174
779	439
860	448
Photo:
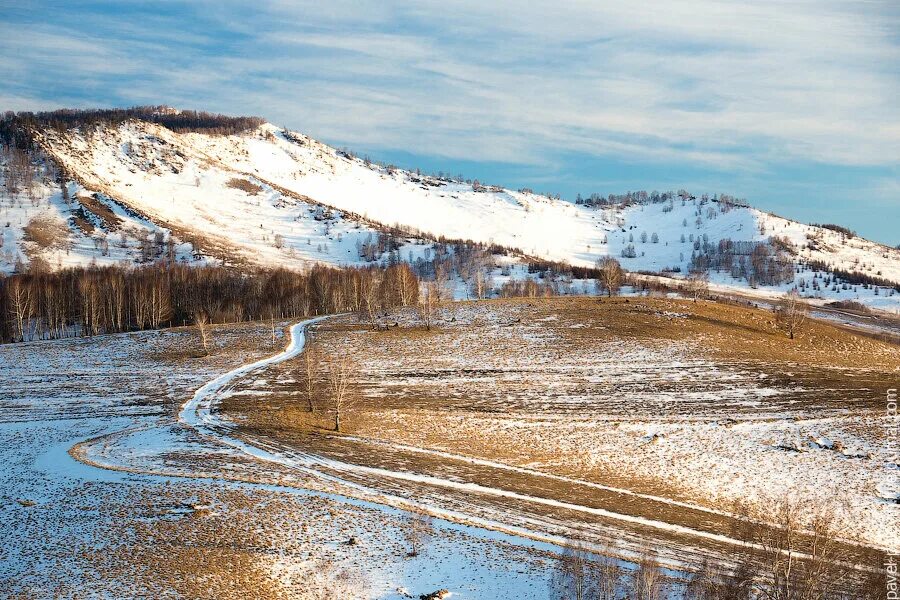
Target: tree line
18	128
768	262
86	301
642	197
852	277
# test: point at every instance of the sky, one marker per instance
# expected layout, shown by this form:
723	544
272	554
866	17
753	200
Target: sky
792	105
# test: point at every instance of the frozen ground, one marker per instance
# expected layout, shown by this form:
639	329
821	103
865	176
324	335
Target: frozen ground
174	513
517	425
689	415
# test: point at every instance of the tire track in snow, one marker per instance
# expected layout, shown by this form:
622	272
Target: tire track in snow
198	413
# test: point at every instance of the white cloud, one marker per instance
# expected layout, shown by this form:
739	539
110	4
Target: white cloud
732	85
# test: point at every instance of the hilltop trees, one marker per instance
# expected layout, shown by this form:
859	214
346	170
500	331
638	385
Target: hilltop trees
767	262
17	169
16	128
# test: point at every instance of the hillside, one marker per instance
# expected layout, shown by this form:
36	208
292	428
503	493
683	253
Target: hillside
137	190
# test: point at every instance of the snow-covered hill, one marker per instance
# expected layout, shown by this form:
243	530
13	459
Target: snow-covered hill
277	198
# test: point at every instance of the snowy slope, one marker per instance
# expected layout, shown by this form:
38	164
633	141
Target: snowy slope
273	197
113	236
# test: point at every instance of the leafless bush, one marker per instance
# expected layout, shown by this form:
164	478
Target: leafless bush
850	305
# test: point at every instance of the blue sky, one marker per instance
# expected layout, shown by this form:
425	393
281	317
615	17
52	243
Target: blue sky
794	105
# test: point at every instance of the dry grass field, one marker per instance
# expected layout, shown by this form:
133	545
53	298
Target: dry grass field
104	494
622	424
696	405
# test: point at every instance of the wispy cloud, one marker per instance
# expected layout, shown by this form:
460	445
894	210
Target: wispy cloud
741	87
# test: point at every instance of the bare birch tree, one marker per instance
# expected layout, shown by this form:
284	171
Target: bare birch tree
272	325
21	301
370	297
790	314
419	529
611	275
480	283
583	575
201	320
646	581
340	395
429	298
405	282
310	373
697	285
803	558
608	575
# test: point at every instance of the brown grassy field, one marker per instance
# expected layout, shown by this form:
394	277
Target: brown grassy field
696	402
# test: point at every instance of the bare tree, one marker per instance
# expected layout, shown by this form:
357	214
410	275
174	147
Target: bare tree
310	373
272	325
611	275
340	395
419	529
790	314
21	302
697	285
370	297
803	558
609	575
480	283
646	580
572	578
583	575
201	320
405	283
429	298
709	583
